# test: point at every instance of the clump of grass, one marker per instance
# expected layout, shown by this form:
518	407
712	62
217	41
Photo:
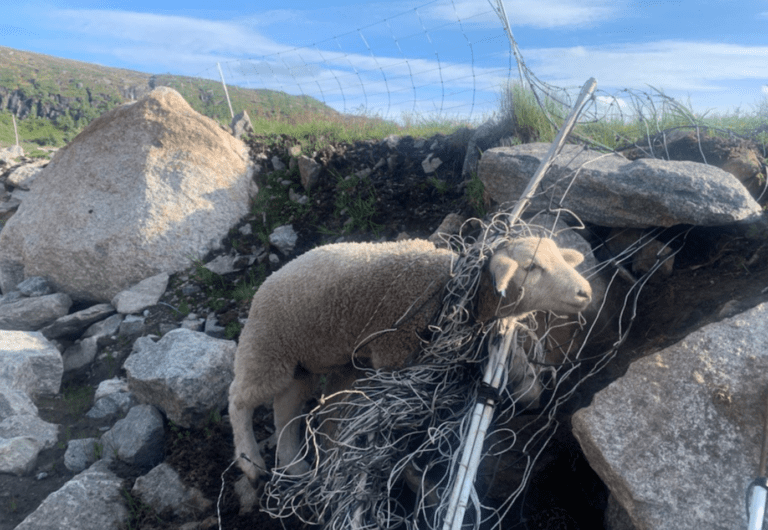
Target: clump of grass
474	191
356	198
78	399
646	114
530	120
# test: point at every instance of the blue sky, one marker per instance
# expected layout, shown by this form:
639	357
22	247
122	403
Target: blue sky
445	57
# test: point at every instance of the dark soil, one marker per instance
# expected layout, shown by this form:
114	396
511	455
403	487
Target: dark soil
717	272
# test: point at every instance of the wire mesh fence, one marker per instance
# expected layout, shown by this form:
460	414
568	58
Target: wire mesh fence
386	452
407	64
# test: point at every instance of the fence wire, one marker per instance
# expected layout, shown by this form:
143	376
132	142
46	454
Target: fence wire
406	64
385	452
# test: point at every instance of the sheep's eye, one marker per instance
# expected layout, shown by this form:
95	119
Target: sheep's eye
530	267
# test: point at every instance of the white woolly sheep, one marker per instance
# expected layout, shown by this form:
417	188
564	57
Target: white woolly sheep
372	301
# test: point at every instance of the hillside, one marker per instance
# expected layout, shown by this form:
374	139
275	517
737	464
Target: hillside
72	93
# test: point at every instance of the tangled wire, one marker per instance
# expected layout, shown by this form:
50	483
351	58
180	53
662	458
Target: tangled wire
385	454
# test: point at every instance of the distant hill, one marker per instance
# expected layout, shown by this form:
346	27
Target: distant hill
72	93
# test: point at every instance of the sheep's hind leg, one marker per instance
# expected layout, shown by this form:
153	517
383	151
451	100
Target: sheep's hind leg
288	406
241	418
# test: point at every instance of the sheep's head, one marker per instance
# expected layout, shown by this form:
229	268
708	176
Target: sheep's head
533	274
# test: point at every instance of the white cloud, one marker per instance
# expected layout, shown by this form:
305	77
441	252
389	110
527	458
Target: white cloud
345	78
669	65
764	89
189	45
166	32
550	14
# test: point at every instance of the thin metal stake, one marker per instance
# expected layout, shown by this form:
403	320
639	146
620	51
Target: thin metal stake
226	92
481	416
759	487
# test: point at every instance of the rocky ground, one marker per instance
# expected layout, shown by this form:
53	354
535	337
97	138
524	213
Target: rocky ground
717	272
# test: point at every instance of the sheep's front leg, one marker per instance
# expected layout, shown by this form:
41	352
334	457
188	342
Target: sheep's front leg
288	406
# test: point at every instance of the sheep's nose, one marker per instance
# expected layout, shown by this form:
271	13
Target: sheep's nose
585	295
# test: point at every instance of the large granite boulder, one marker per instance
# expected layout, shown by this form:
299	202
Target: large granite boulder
143	189
677	439
609	190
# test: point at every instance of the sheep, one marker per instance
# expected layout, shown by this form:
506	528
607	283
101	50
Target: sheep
370	301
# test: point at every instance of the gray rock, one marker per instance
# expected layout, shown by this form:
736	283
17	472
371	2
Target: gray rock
45	434
111	398
28	362
19	194
391	141
212	327
450	226
81	354
18	456
144	294
277	164
192	324
185	374
110	386
14	402
80	454
295	197
611	191
105	329
24	176
141	190
241	124
481	139
163	490
10	154
309	170
8	206
22	433
30	314
677	439
112	405
132	326
430	164
223	264
35	286
138	439
11	297
91	500
165	328
75	323
284	238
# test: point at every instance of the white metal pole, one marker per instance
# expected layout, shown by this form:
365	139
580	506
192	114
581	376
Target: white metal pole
483	412
15	131
226	92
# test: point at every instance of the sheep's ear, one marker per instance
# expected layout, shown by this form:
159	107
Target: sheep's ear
572	257
502	269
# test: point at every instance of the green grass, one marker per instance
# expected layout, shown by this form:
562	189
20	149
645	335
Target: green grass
88	90
317	130
529	122
78	399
